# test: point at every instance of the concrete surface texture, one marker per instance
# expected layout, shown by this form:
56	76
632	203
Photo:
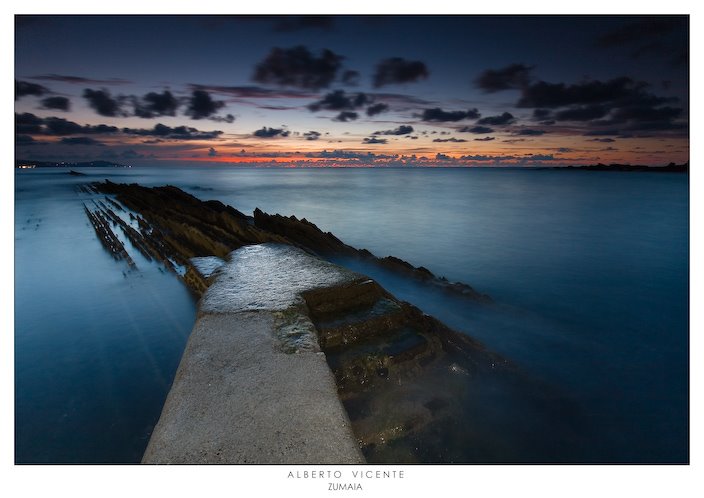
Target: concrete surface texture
238	395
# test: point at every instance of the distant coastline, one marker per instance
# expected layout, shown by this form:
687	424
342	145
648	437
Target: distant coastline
670	168
29	164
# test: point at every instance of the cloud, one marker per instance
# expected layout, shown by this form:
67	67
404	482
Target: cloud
374	140
397	70
476	129
103	103
529	132
298	67
178	132
597	133
253	92
312	135
24	88
515	76
156	104
582	113
603	140
80	141
212	152
375	109
665	37
271	132
62	127
451	139
350	77
28	123
79	80
57	103
339	100
299	23
484	139
500	120
401	130
346	116
201	105
26	140
228	118
438	115
443	157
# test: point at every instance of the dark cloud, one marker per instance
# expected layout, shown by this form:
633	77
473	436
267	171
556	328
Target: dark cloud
375	109
57	103
515	76
346	116
484	139
500	120
529	132
438	115
350	77
28	123
443	157
618	92
564	150
478	130
597	133
603	140
582	113
79	80
312	135
156	104
26	140
253	92
339	100
451	139
62	127
665	37
212	152
23	88
397	70
80	141
103	103
299	23
374	140
541	113
298	67
271	132
178	132
201	105
228	118
401	130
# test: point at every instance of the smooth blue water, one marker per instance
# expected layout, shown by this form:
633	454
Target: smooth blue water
589	271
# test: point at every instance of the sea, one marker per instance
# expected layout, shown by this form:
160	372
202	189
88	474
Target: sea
588	272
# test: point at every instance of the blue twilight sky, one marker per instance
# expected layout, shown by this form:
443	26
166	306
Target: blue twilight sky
353	90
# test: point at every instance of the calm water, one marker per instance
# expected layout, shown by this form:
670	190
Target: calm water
589	271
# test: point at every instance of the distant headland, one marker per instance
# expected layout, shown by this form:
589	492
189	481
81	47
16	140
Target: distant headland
670	168
29	164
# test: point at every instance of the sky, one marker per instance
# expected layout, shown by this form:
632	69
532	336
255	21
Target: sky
353	90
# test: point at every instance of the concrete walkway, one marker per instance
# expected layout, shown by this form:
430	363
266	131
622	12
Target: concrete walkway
240	395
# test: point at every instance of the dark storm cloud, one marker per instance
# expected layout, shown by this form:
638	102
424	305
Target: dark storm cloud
375	109
478	130
57	103
24	88
298	67
339	100
201	105
485	139
397	70
103	103
500	120
438	115
156	104
618	91
312	135
299	23
271	132
401	130
79	80
374	140
515	76
451	139
80	141
530	133
582	113
178	132
346	116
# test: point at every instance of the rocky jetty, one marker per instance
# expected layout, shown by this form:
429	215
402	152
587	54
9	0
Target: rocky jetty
400	374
